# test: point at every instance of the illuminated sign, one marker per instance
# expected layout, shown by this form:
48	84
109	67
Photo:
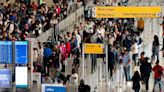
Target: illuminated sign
21	52
90	48
21	75
53	88
126	12
5	78
5	52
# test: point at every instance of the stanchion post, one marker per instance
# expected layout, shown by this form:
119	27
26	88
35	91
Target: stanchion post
31	58
106	50
83	61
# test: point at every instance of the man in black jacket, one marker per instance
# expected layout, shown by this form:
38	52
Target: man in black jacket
145	69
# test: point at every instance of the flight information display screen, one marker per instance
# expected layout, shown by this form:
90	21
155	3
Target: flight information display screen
5	78
5	52
21	52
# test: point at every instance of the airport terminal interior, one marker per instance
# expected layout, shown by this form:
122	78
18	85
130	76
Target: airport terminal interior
81	45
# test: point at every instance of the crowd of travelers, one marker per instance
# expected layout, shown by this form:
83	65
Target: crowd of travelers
123	39
21	20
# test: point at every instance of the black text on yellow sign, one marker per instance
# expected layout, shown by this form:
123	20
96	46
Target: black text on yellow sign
126	12
93	48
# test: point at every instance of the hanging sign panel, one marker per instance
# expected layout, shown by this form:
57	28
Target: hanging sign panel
126	12
92	48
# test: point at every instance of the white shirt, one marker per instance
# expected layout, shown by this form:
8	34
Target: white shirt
40	28
101	32
78	37
79	4
134	48
74	79
1	22
40	51
54	21
11	28
35	55
111	40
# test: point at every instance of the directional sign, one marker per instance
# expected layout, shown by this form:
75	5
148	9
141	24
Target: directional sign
90	48
126	12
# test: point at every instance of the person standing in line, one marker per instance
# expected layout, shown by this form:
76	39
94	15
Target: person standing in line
163	33
158	73
136	81
47	80
155	48
145	69
64	55
134	49
163	37
46	55
111	61
83	87
74	77
140	25
127	65
40	51
76	63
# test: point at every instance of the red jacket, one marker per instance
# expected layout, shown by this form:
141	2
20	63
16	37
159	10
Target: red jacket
68	47
156	69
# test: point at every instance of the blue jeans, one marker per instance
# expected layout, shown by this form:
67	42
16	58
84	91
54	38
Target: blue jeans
134	57
159	82
155	53
127	73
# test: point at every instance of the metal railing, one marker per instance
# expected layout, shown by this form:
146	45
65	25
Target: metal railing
64	25
45	36
69	23
117	80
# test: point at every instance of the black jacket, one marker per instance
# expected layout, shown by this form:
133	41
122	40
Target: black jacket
136	82
84	88
145	68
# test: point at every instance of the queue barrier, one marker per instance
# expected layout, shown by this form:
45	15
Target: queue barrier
117	82
37	79
95	80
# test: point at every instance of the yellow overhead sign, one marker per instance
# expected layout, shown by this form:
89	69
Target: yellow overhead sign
90	48
126	12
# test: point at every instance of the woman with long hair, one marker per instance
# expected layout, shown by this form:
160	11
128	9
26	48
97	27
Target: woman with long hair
155	48
136	81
